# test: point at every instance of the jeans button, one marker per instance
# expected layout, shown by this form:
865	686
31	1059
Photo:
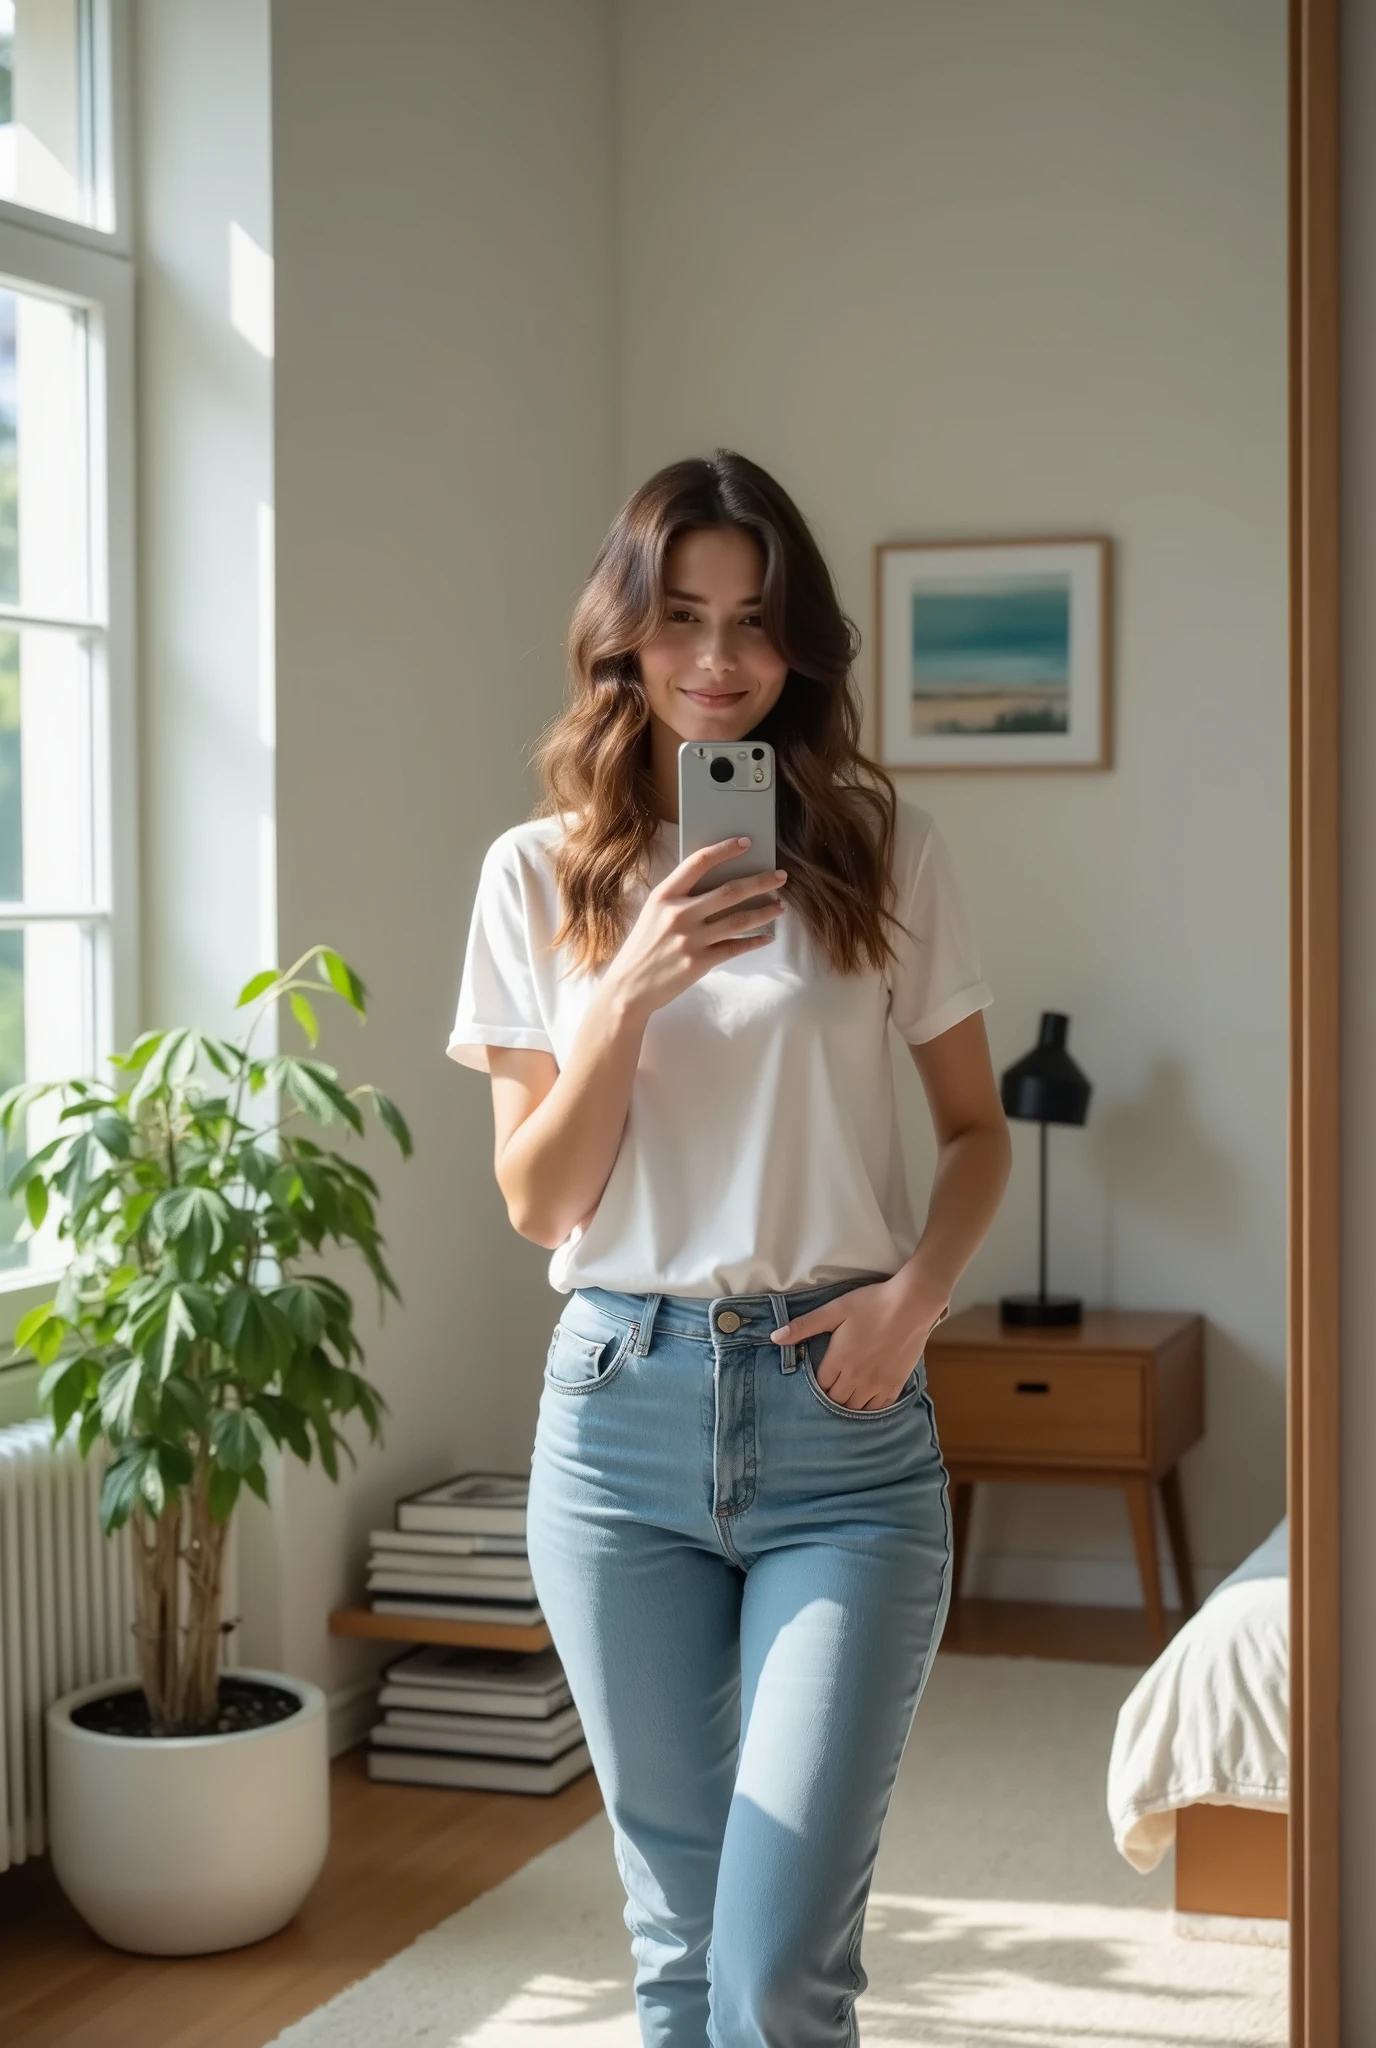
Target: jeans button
728	1320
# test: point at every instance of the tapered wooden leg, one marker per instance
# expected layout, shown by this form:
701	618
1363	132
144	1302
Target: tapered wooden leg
1138	1492
1174	1507
962	1500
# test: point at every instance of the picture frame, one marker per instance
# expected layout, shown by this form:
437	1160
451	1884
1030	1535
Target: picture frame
994	653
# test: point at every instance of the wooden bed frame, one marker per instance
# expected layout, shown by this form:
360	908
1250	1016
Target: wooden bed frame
1233	1860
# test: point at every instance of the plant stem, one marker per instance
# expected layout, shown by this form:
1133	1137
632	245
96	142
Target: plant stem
156	1604
199	1678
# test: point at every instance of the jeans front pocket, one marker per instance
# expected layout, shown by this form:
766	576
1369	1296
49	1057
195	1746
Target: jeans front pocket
814	1350
579	1363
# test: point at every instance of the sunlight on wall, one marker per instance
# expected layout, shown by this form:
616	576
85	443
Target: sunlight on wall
250	290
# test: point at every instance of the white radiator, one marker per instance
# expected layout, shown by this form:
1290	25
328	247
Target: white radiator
66	1610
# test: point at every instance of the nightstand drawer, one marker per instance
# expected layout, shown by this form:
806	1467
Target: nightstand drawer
1034	1408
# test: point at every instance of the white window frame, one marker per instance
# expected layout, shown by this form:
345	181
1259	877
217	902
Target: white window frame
88	269
110	60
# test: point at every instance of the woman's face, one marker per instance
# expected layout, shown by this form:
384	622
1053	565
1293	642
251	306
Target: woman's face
710	672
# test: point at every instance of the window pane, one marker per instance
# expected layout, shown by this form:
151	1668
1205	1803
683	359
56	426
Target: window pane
44	456
47	144
46	808
47	1004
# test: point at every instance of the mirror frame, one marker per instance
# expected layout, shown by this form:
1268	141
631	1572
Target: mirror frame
1314	1210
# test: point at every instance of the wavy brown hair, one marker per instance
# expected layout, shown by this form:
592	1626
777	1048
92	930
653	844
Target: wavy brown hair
835	807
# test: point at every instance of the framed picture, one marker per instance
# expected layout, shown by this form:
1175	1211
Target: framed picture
993	654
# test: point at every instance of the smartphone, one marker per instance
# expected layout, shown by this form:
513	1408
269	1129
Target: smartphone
726	790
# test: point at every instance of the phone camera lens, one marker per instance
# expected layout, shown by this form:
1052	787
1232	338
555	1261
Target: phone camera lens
757	753
722	769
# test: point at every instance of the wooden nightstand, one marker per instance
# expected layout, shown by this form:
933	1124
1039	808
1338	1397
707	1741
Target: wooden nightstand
1113	1402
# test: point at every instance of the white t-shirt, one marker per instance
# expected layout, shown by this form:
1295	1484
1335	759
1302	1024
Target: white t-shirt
761	1150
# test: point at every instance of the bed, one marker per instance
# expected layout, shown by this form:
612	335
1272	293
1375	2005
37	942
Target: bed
1201	1752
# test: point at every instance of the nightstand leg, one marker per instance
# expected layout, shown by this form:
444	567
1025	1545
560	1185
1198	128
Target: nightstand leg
962	1500
1174	1507
1138	1493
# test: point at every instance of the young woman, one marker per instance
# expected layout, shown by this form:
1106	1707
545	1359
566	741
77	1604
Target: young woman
738	1521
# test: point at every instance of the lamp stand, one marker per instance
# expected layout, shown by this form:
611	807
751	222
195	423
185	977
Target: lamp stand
1041	1310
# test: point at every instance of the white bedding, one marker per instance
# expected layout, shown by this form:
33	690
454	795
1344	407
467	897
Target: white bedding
1210	1720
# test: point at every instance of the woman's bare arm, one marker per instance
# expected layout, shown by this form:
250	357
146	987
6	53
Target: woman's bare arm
558	1133
974	1154
879	1330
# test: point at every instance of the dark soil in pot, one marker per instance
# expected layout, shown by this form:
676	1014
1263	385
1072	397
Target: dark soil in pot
245	1703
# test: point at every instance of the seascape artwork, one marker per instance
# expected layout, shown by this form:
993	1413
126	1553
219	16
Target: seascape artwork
992	657
994	654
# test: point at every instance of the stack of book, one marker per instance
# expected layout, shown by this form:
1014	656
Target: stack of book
498	1720
457	1553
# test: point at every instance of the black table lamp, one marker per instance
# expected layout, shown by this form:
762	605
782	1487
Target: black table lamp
1046	1087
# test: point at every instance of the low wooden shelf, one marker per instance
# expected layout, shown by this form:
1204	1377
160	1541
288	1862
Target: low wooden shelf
427	1628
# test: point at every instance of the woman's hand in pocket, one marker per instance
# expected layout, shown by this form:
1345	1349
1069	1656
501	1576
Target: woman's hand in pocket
878	1333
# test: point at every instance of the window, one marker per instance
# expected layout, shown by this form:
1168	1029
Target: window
67	877
54	109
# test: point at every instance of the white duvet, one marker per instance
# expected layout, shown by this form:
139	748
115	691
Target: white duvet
1209	1721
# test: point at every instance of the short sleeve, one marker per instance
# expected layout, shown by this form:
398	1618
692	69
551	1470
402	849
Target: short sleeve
498	999
935	979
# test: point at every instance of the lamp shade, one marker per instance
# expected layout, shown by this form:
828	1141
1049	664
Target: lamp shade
1045	1085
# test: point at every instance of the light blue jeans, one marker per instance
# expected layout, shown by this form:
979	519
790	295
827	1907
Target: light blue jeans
747	1584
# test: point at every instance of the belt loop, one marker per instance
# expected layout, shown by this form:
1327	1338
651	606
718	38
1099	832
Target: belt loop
788	1352
645	1329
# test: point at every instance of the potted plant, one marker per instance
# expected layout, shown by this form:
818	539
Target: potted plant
191	1338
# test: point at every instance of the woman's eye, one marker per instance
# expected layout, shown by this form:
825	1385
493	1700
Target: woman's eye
677	618
754	620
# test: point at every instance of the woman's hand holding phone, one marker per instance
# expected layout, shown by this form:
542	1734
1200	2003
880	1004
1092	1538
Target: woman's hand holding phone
678	936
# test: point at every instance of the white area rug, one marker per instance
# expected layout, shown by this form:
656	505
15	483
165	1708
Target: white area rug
1001	1914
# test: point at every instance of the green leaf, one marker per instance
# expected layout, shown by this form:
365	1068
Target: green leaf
152	1491
178	1333
257	1481
121	1487
195	1220
224	1491
90	1429
24	1173
305	1016
326	1439
139	1053
119	1391
304	1306
292	1425
257	1334
36	1201
176	1464
113	1132
184	1409
251	990
64	1387
239	1438
16	1102
315	1088
28	1326
392	1120
343	979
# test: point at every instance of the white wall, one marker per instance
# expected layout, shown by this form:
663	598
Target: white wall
201	89
1358	1017
445	381
999	269
205	468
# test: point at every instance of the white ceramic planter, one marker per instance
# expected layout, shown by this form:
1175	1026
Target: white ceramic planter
192	1844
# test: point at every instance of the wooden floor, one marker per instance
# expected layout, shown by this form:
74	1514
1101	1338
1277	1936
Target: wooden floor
400	1859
